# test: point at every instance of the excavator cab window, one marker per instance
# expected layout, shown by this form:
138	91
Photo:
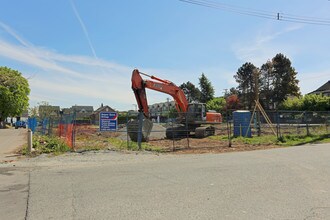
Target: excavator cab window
196	112
203	112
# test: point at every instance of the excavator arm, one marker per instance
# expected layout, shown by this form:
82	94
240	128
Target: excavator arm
139	87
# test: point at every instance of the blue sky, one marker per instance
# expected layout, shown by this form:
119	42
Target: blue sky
83	52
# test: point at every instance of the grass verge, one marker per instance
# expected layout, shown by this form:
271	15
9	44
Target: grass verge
294	140
44	144
286	140
133	146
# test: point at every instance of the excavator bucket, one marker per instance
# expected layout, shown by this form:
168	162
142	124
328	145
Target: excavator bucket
133	129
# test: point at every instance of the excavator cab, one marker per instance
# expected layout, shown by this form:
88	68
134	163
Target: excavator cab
196	112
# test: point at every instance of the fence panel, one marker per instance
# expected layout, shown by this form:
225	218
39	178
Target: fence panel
272	123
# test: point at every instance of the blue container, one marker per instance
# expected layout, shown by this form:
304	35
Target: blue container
241	120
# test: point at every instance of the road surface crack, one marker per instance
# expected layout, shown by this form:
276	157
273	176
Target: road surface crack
28	197
74	210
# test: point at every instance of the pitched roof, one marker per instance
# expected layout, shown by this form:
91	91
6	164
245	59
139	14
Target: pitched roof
325	87
50	107
79	108
104	108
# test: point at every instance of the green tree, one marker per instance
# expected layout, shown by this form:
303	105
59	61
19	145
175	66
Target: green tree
245	77
316	103
307	103
294	104
284	83
266	88
217	104
231	91
206	88
192	93
14	91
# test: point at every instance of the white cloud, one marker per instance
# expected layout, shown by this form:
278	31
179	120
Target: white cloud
83	26
86	89
263	46
70	79
13	33
64	78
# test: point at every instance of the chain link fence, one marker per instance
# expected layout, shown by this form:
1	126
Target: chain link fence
63	127
270	123
170	133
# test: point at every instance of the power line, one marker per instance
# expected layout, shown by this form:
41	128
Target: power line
230	8
259	13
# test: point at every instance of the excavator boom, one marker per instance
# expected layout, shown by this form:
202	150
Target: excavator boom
139	85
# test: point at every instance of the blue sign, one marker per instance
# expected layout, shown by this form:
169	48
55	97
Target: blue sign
108	121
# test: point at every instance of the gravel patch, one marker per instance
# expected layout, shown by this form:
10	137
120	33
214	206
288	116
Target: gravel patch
158	132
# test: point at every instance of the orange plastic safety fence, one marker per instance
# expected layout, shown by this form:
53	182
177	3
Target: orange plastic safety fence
65	131
69	132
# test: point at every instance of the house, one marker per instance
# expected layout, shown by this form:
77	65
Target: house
161	110
323	90
95	116
66	111
46	111
82	112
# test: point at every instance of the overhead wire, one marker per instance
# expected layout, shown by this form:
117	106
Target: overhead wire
226	7
260	13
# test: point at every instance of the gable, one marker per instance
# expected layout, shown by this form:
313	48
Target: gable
325	87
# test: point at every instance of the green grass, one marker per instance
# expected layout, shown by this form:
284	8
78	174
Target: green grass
262	140
293	140
133	146
286	140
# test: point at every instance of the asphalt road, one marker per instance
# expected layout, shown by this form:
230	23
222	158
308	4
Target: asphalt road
287	183
11	140
13	182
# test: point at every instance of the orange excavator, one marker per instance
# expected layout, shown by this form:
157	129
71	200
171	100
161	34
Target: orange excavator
193	118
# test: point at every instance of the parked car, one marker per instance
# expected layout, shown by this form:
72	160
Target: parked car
20	124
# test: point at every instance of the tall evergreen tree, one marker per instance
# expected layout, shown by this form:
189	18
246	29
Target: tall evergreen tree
206	88
266	85
192	93
231	91
285	83
245	77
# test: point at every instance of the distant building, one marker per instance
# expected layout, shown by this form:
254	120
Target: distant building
161	109
46	111
323	90
66	111
82	111
95	116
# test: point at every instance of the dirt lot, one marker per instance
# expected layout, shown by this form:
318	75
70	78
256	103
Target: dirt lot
205	145
88	137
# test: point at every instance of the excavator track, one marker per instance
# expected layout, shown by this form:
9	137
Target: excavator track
176	132
202	132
